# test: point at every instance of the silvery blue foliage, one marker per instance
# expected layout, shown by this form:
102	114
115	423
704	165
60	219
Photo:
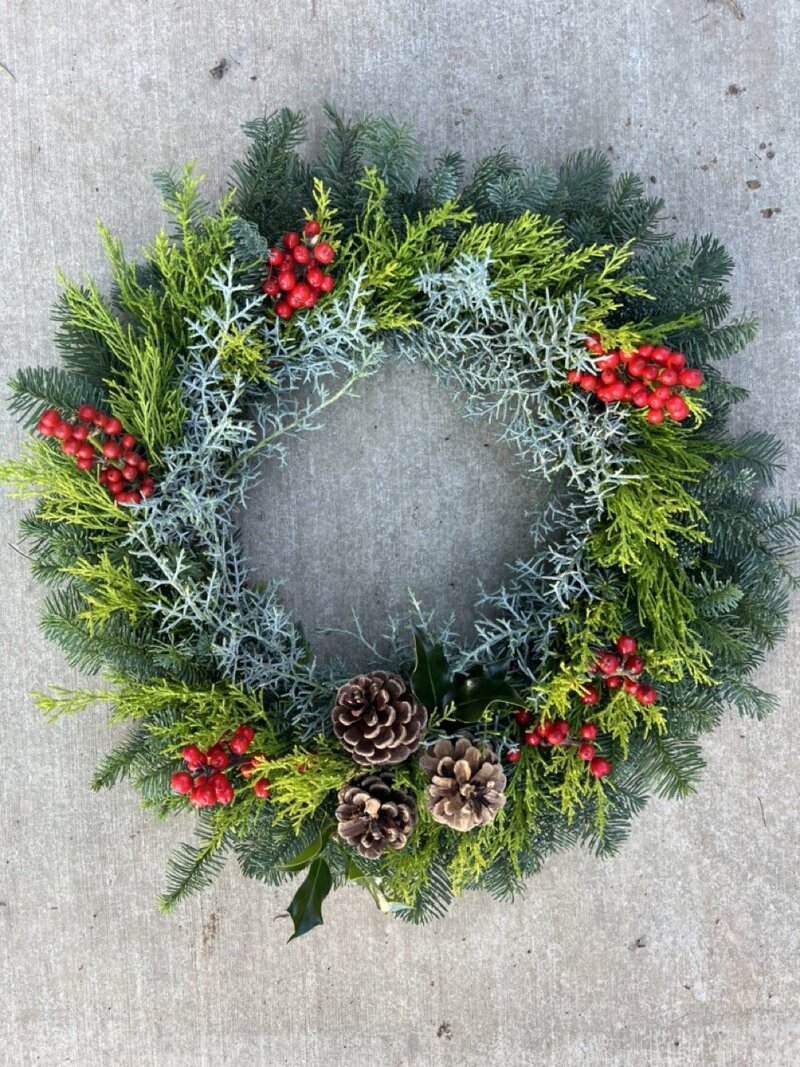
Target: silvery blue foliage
506	360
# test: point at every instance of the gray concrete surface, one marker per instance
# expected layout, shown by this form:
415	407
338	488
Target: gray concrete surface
683	950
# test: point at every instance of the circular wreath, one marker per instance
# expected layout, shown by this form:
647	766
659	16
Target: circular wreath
549	300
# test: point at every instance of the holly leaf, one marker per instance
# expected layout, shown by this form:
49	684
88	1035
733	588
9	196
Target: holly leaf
306	906
310	852
430	679
472	696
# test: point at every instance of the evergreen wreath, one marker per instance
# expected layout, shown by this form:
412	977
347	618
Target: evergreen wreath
549	300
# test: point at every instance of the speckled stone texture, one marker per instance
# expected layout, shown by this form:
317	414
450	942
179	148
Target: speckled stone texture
684	948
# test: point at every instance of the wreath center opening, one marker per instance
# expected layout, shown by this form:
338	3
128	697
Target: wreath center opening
397	491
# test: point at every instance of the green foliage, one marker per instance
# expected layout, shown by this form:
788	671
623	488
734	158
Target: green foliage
305	908
464	697
64	494
271	182
146	328
110	587
302	779
34	389
193	868
391	261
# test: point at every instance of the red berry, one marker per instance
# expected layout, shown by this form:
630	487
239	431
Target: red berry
557	732
630	685
677	408
327	283
647	695
270	287
614	681
645	350
668	376
63	431
532	739
677	361
311	228
283	310
573	376
608	362
111	450
147	488
262	787
286	280
314	277
113	426
70	446
291	240
225	796
299	294
192	756
608	377
276	256
513	755
87	413
144	466
219	782
625	644
323	253
182	782
80	432
588	732
691	378
641	398
660	354
522	716
589	382
100	419
607	662
85	452
655	416
217	757
636	367
301	255
84	464
599	767
635	664
114	474
586	752
617	390
130	473
203	796
239	744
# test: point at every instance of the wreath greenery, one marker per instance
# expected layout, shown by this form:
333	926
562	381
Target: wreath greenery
550	300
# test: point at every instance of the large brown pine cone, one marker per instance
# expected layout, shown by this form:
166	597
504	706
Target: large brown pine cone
378	719
466	783
372	815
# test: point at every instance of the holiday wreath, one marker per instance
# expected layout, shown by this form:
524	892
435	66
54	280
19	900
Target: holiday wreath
549	300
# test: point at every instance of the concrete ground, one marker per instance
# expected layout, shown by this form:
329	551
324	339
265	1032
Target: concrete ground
682	950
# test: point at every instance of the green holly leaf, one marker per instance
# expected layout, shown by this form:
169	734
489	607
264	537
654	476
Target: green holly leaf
310	852
306	906
430	679
472	696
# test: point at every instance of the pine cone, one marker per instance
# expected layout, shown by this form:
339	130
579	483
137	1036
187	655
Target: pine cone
372	815
466	783
378	719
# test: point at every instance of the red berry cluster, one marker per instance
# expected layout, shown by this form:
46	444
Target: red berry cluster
620	668
648	378
98	440
204	782
296	278
557	733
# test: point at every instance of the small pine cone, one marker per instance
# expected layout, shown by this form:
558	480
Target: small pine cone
466	783
378	719
372	815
